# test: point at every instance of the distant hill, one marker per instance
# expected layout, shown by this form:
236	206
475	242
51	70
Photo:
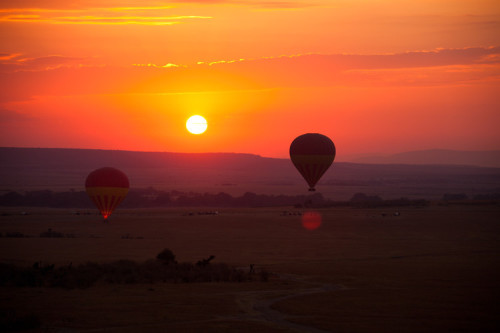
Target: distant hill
28	169
437	156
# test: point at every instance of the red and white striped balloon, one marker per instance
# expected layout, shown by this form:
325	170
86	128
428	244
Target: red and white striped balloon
107	187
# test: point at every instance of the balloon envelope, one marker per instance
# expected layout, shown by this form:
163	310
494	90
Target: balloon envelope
107	187
312	154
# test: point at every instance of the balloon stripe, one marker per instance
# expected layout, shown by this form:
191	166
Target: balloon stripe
312	159
320	170
100	204
112	203
308	172
312	172
115	201
316	173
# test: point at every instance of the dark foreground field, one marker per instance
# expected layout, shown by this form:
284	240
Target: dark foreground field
432	269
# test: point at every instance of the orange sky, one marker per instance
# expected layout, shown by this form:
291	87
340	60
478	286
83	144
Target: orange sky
375	76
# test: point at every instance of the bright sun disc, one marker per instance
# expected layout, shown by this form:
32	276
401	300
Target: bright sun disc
196	124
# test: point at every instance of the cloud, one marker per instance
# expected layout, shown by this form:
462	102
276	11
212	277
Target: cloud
25	77
256	3
12	116
168	65
15	62
439	57
8	56
137	15
436	67
284	4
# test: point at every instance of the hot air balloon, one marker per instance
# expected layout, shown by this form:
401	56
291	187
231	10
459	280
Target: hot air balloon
312	154
107	187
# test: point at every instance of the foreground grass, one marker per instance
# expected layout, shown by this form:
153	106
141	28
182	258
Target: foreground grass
163	269
429	269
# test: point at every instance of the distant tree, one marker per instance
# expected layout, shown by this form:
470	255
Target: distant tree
12	199
223	199
492	196
361	197
166	256
163	199
456	196
249	199
42	198
362	200
51	234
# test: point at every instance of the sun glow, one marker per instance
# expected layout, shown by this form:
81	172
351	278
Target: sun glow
196	124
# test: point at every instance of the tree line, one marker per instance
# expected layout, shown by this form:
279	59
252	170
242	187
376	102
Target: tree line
150	197
164	268
144	198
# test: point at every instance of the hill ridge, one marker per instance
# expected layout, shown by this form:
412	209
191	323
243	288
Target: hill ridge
25	169
437	156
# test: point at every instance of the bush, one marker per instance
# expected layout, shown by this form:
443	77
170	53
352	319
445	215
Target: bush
264	276
166	256
51	234
10	321
454	196
163	269
14	234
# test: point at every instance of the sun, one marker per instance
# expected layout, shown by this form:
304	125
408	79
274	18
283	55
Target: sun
196	124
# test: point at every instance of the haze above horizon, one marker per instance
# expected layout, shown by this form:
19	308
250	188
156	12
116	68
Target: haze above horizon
377	78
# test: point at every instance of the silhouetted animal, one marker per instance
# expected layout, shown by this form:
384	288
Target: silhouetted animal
205	262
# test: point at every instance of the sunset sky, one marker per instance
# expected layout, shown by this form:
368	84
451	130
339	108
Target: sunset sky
375	76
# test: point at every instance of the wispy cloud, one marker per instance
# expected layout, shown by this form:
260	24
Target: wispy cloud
10	115
296	62
99	16
420	68
341	62
270	5
17	62
168	65
9	56
24	77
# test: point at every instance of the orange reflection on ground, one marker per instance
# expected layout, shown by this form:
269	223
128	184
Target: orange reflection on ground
311	220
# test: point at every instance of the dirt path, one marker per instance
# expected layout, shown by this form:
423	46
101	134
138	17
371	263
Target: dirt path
257	305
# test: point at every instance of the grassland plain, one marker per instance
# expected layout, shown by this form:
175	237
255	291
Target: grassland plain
430	269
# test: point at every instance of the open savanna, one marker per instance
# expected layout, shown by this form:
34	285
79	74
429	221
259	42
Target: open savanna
430	269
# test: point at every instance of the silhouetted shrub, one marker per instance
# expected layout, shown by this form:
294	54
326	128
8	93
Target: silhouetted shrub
166	256
51	234
361	197
11	275
454	196
14	234
492	196
264	275
361	200
10	321
122	272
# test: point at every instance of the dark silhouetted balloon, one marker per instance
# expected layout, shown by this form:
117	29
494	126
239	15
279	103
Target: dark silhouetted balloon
312	154
107	187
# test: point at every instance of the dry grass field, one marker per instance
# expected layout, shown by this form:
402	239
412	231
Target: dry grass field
431	269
